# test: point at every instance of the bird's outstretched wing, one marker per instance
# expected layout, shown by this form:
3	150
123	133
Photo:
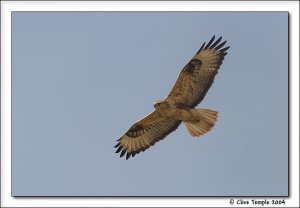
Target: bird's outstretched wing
145	133
198	75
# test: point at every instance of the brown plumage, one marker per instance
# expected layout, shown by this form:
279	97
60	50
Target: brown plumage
189	90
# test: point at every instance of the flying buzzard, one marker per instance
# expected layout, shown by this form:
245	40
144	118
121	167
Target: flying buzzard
189	90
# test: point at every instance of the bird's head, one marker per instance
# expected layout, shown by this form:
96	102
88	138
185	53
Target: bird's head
159	104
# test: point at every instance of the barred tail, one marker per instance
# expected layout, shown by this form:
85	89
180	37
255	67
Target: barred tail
207	119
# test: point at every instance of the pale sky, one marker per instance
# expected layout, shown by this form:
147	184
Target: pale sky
81	79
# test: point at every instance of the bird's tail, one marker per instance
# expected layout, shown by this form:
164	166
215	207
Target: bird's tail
206	120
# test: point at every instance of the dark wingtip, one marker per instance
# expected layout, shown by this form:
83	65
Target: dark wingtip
117	145
119	149
201	48
216	43
123	153
221	45
224	49
210	42
127	156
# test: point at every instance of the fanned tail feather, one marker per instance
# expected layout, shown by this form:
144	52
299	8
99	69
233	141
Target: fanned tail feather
207	119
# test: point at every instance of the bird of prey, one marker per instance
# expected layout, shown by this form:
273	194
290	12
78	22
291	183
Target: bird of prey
190	88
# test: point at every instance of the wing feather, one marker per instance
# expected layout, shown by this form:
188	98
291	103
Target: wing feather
145	133
198	75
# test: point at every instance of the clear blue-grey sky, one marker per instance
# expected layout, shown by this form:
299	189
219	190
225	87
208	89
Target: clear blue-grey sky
81	79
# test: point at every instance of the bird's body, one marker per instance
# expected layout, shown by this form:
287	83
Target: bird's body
166	107
177	111
179	106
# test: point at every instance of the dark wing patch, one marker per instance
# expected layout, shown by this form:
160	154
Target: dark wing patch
145	133
198	75
135	131
192	65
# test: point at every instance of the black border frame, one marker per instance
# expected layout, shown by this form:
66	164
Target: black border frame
232	196
289	83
